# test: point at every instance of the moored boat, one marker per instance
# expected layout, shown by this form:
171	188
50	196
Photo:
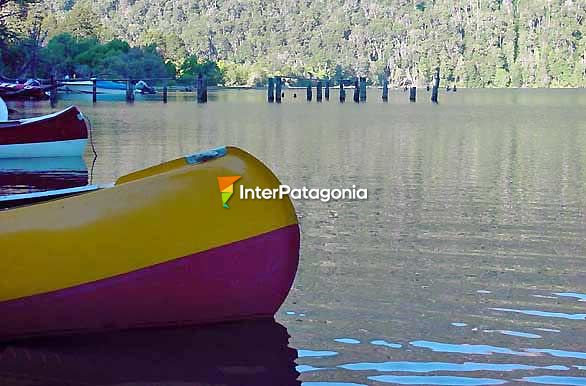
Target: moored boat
156	248
61	134
106	87
31	89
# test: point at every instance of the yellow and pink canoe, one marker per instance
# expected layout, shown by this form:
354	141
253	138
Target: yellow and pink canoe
156	248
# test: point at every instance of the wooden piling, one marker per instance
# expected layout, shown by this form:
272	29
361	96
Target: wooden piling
327	90
309	92
94	90
318	94
362	89
413	94
205	89
165	91
278	92
202	92
435	89
129	91
385	90
271	90
356	91
53	92
342	92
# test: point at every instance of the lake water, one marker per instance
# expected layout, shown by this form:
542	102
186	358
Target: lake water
466	265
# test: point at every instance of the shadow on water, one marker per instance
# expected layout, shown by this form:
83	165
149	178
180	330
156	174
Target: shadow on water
244	353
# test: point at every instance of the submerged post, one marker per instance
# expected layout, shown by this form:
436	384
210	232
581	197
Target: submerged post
129	91
165	90
385	90
53	92
435	89
413	94
271	90
327	90
356	91
362	89
94	90
278	91
318	93
309	93
342	92
202	94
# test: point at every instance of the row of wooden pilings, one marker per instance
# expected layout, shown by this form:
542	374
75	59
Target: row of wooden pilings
275	89
200	85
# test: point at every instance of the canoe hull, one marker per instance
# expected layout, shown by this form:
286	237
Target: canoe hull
206	287
156	249
61	134
67	148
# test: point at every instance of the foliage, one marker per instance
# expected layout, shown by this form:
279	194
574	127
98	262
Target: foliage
192	67
489	43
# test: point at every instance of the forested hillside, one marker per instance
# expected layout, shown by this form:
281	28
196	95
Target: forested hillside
478	43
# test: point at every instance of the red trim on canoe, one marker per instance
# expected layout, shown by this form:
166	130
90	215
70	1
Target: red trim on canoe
61	126
243	280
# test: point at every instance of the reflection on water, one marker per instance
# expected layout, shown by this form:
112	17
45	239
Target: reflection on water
41	174
471	241
248	353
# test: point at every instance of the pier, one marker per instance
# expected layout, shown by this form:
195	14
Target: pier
358	84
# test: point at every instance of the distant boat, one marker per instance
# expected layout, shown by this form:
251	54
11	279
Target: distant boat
31	89
103	87
156	248
61	134
3	111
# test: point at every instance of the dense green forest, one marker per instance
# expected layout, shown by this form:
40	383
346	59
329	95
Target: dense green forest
476	43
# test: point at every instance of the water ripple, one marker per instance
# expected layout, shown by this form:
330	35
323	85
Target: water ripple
553	380
580	297
428	367
347	340
315	354
543	313
331	384
436	380
479	349
384	343
559	353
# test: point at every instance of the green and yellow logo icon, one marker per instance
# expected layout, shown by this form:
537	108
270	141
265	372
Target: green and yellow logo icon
226	185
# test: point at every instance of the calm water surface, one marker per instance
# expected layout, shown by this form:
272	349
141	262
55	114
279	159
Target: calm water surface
466	266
